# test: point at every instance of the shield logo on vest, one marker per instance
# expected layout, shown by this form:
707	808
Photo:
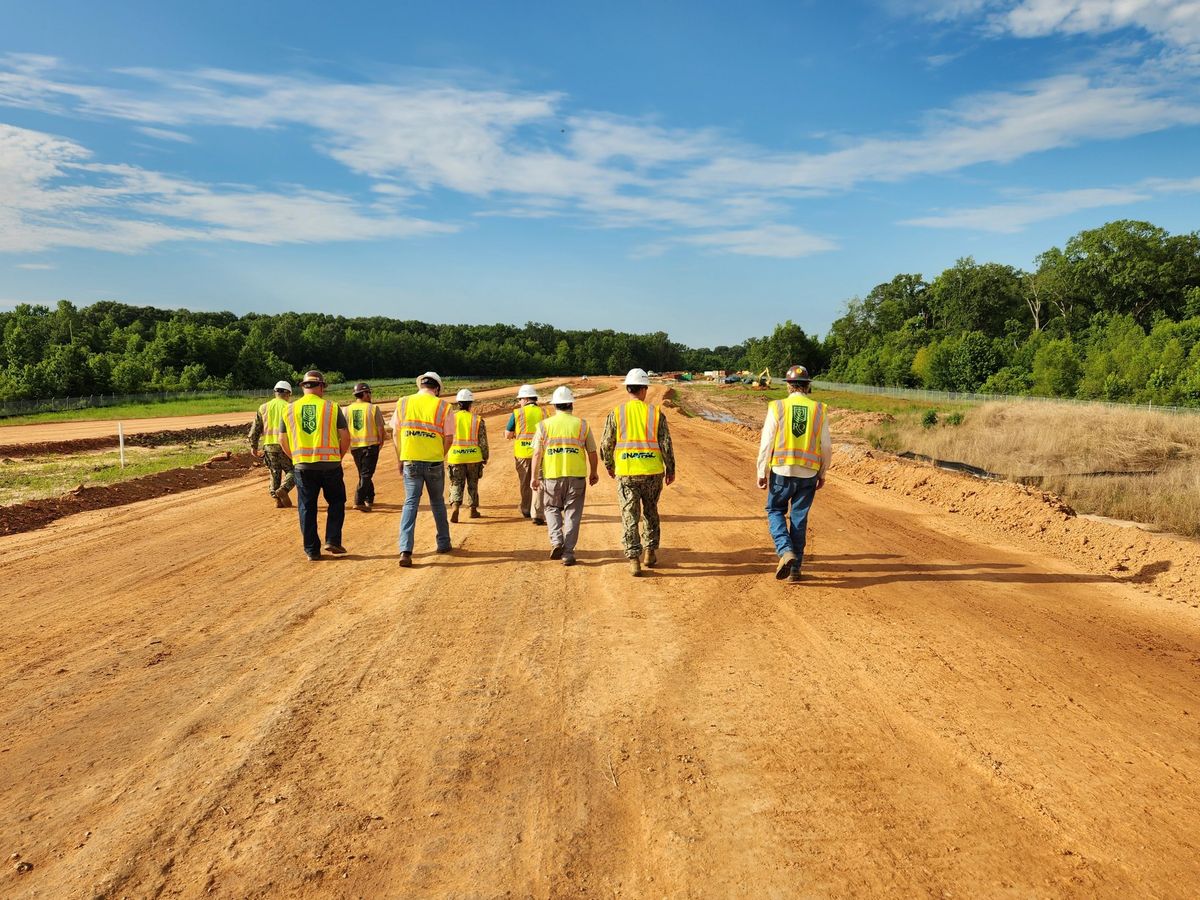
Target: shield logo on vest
308	419
359	418
799	421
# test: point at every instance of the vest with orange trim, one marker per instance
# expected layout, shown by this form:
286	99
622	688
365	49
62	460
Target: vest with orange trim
637	451
421	421
798	435
363	422
272	413
527	418
564	447
465	448
312	430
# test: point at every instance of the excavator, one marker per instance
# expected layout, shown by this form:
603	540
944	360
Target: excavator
761	381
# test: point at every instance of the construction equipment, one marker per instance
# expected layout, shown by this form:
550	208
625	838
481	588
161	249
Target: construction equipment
760	381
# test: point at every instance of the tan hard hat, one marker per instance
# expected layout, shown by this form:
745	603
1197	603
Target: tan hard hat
312	378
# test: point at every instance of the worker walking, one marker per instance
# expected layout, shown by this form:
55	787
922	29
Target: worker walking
561	474
467	456
636	447
268	426
793	456
520	428
315	438
423	430
367	434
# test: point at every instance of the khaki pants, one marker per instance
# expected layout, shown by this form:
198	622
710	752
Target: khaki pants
564	509
531	500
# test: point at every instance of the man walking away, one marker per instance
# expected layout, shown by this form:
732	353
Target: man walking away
423	430
520	428
637	451
467	456
367	435
315	438
268	425
793	457
560	474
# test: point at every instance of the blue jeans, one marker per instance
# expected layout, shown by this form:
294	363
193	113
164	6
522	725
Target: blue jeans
799	492
432	477
309	485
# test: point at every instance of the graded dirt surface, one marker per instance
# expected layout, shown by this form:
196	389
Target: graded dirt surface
189	708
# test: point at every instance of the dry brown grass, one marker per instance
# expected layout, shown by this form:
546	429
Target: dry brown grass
1058	442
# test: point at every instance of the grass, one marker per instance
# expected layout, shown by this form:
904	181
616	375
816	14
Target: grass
213	405
51	476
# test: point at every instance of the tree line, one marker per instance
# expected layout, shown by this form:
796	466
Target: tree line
1112	315
110	347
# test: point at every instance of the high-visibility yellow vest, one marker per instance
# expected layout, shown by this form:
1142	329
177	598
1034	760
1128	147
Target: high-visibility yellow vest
798	436
363	422
564	446
527	419
312	430
637	451
465	448
421	419
272	413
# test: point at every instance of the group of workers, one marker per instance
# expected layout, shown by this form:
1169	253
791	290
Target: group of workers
556	457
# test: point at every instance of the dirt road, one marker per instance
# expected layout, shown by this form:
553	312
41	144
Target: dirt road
191	709
94	428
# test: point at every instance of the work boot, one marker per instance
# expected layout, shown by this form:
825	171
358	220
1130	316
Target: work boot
454	512
283	499
651	559
539	521
785	565
367	506
406	560
313	557
279	504
475	512
556	552
635	566
568	559
336	549
794	578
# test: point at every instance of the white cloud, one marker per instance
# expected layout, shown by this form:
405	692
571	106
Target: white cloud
1177	22
781	241
165	134
36	267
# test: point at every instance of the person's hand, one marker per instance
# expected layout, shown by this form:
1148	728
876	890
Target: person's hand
257	454
762	484
594	477
401	468
820	482
535	483
669	479
612	474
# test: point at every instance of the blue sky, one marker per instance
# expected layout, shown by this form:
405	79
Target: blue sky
705	169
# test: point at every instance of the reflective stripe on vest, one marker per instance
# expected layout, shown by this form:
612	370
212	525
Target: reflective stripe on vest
362	421
465	448
312	430
637	451
420	421
272	413
800	420
564	447
527	418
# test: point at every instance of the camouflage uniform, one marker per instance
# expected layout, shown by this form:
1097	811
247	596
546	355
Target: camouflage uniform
466	475
278	462
638	494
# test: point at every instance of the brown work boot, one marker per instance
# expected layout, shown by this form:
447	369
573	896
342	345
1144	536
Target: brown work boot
635	566
283	499
475	512
454	512
785	565
794	578
279	504
651	559
406	560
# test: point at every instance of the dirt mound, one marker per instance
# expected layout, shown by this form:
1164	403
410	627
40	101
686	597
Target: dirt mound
142	439
39	513
848	421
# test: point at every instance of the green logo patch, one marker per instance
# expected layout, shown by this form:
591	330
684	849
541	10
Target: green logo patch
308	419
359	419
799	421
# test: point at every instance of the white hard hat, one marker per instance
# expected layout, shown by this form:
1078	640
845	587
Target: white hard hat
283	386
637	378
465	396
434	375
562	394
527	391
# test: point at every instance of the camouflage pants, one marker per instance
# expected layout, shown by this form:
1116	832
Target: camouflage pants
465	475
639	495
281	468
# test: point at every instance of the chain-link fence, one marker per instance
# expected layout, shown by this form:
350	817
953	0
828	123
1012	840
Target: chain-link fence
951	396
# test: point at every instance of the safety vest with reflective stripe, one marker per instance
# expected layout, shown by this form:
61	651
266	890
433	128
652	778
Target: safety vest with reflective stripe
363	422
272	413
564	446
637	451
527	419
465	448
420	422
798	435
312	430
